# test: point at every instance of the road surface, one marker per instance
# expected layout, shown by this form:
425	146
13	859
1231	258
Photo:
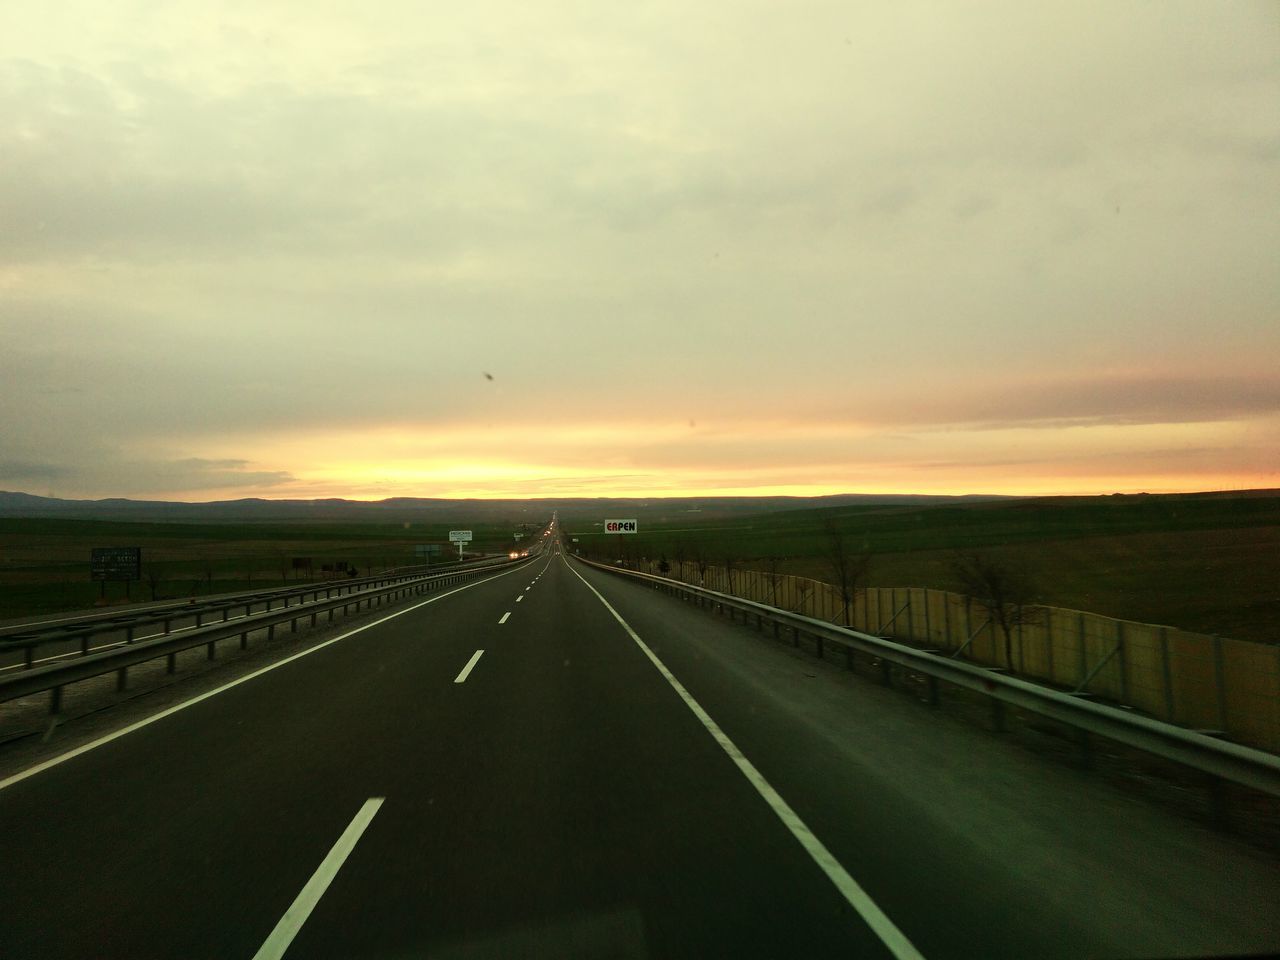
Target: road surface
556	762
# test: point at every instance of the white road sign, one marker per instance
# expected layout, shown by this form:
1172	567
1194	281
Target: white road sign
459	536
619	526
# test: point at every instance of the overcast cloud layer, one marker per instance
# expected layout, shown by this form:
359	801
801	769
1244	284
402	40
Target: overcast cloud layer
258	249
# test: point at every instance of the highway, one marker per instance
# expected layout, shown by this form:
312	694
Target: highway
555	762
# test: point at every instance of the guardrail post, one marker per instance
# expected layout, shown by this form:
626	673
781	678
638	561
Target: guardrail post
166	625
244	640
29	656
55	700
212	648
199	618
226	614
84	645
293	625
271	632
313	619
122	679
171	663
128	634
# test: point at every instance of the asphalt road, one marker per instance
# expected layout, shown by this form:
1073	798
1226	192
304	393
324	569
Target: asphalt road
674	787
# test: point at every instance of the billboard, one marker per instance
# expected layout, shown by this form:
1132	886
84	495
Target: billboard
115	563
620	526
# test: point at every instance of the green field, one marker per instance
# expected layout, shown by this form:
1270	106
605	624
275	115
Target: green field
1208	563
44	563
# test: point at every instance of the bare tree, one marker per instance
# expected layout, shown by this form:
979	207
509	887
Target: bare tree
730	565
803	587
1004	591
771	565
847	566
700	562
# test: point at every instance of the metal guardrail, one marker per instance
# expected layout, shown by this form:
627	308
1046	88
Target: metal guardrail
29	639
1229	761
118	660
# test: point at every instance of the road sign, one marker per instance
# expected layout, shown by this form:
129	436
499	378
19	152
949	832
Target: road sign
519	536
459	536
115	563
619	526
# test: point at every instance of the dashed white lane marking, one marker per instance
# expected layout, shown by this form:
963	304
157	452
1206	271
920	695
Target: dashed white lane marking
504	617
519	598
278	940
872	915
147	721
471	665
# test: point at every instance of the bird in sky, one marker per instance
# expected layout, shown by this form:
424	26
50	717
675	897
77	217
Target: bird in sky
488	376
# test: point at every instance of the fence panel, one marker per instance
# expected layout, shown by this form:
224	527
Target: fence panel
1197	681
1251	687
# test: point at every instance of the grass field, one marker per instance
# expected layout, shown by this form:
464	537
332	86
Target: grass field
1207	563
44	564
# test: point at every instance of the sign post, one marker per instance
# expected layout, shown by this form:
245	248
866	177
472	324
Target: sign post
620	526
115	563
426	551
460	537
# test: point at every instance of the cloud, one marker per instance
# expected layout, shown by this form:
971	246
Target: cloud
226	228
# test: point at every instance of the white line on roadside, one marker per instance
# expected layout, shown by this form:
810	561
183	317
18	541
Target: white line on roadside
147	721
278	940
881	925
471	664
504	617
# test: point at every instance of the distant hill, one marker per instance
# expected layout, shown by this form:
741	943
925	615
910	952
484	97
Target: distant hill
397	509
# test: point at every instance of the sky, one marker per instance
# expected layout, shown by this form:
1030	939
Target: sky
503	249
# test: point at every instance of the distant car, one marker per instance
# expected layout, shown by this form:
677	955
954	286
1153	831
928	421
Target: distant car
513	555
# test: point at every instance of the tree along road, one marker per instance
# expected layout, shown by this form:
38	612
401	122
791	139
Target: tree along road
555	762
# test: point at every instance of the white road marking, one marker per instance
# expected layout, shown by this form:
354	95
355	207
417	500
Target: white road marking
519	598
471	664
147	721
278	940
881	925
504	617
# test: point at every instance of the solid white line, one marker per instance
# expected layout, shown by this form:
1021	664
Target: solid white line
881	925
123	731
466	671
278	940
504	617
